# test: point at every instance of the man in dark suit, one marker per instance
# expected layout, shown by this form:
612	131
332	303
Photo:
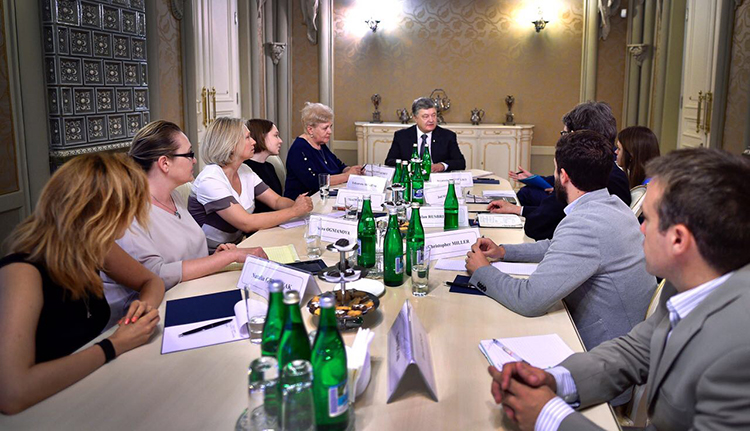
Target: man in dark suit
693	351
541	208
442	143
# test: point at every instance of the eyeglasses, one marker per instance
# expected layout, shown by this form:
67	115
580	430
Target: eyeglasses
190	155
565	132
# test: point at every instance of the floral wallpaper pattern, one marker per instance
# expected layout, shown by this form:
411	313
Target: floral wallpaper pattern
170	64
739	82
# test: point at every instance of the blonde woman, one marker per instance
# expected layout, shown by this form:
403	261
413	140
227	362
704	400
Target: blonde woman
310	155
223	196
51	297
172	246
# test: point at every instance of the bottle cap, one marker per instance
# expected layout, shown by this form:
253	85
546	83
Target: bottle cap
291	297
327	301
404	162
275	286
392	210
398	161
451	181
415	205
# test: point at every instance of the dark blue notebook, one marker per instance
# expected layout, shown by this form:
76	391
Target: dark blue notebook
486	181
463	279
200	308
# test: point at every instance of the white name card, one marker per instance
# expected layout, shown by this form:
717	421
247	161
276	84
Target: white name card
257	273
366	184
462	178
434	216
435	194
333	229
377	199
450	243
409	356
381	171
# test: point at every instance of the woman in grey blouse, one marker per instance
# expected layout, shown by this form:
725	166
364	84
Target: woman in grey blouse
172	245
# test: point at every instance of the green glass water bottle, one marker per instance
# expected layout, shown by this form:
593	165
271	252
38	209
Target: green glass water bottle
397	174
366	235
330	393
426	163
274	326
406	180
417	182
450	221
415	151
294	342
393	252
414	235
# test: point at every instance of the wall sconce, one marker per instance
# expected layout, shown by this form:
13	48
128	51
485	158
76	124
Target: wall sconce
540	23
372	23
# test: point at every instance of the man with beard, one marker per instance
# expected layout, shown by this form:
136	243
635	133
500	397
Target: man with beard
594	261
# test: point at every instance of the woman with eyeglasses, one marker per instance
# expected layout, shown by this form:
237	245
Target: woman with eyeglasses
224	194
51	296
171	245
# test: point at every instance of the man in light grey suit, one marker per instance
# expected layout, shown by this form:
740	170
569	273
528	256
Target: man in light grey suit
594	261
694	351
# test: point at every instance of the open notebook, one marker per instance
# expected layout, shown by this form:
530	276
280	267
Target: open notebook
542	351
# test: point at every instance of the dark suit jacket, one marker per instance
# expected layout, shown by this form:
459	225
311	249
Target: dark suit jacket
444	148
541	221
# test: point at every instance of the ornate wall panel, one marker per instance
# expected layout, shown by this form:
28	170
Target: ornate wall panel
610	69
8	169
304	70
739	82
170	63
95	70
477	51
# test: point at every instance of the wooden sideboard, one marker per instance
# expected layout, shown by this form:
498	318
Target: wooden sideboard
492	147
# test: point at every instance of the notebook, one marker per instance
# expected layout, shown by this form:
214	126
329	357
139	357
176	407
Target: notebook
541	351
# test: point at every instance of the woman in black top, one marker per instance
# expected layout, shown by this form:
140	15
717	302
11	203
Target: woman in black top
267	143
51	296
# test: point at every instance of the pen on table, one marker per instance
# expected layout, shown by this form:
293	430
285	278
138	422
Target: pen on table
508	351
203	328
464	285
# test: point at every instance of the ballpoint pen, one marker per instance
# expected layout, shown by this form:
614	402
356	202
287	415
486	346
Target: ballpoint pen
464	285
511	353
203	328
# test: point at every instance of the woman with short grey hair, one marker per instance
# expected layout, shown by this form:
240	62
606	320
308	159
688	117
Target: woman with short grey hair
310	155
223	195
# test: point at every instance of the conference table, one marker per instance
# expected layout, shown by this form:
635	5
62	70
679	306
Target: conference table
206	388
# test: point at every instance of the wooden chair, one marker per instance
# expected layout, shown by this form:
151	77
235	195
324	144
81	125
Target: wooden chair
637	195
184	190
278	166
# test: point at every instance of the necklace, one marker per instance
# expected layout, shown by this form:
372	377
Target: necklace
176	213
86	303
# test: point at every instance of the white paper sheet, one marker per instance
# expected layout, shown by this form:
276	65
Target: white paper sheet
451	264
542	351
500	220
516	268
231	331
499	193
291	224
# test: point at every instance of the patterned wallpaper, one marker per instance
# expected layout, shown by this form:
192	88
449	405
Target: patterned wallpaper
304	70
477	51
610	71
739	82
8	170
170	64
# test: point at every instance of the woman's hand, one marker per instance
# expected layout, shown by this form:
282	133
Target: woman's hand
355	170
128	337
225	247
302	205
135	311
522	174
241	253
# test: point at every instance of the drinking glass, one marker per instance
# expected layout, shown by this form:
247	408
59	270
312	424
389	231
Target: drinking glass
312	238
420	271
297	412
263	396
352	206
255	324
324	181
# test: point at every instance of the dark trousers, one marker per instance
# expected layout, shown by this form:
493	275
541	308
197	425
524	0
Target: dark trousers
531	196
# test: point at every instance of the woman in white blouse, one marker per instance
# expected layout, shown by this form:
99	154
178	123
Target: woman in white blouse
172	246
223	196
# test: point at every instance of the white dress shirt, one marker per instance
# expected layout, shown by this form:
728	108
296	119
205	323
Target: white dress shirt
429	144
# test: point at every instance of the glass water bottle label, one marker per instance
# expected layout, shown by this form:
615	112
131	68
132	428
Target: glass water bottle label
399	267
420	258
418	193
359	247
338	399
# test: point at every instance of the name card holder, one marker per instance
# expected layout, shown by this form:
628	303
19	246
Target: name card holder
435	194
381	171
366	184
332	229
257	273
377	198
409	357
461	178
434	216
450	243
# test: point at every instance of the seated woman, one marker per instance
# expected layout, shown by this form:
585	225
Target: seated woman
172	245
51	297
267	143
310	156
636	145
223	196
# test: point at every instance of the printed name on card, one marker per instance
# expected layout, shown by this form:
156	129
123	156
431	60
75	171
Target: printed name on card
377	199
332	229
434	216
381	171
366	184
450	243
257	273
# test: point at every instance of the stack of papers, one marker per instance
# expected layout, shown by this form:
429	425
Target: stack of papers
499	220
282	254
541	351
506	267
